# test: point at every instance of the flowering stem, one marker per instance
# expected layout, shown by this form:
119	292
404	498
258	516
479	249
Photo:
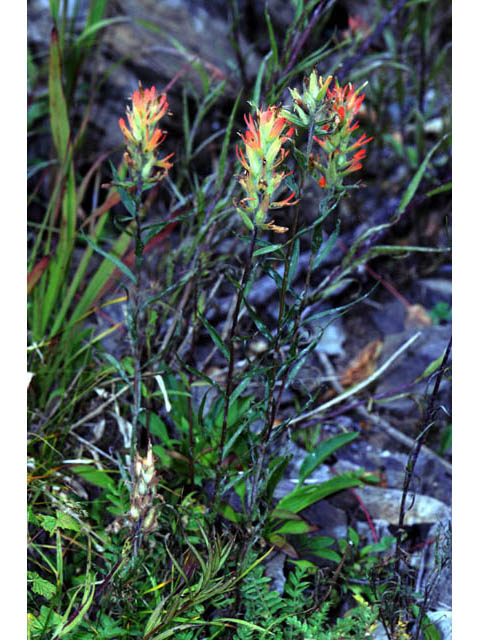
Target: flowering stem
231	361
272	409
135	325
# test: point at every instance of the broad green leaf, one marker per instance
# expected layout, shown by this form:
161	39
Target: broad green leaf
158	428
320	542
304	496
322	452
49	523
228	512
41	586
327	554
429	629
65	521
95	476
281	543
384	544
295	527
353	535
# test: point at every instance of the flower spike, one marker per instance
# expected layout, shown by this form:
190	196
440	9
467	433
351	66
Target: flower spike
263	140
142	135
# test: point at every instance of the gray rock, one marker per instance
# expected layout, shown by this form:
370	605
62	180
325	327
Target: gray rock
430	345
274	569
384	504
443	622
430	477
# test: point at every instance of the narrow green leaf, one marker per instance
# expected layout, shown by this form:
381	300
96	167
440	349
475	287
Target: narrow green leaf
261	326
441	189
293	261
89	31
54	8
246	220
268	249
118	263
87	599
271	35
283	514
413	186
240	388
322	452
98	281
276	469
323	252
127	200
57	104
432	367
215	336
258	82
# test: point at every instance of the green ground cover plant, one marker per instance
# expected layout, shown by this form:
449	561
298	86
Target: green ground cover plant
153	467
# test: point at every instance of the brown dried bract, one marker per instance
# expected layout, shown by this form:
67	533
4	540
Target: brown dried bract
363	365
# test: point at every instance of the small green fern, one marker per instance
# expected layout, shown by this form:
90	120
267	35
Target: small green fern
291	616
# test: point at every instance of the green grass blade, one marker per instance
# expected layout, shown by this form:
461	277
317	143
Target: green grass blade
258	82
86	37
413	186
58	267
118	263
58	107
273	42
226	141
78	278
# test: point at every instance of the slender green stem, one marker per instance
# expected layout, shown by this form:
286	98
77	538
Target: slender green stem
135	325
231	361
